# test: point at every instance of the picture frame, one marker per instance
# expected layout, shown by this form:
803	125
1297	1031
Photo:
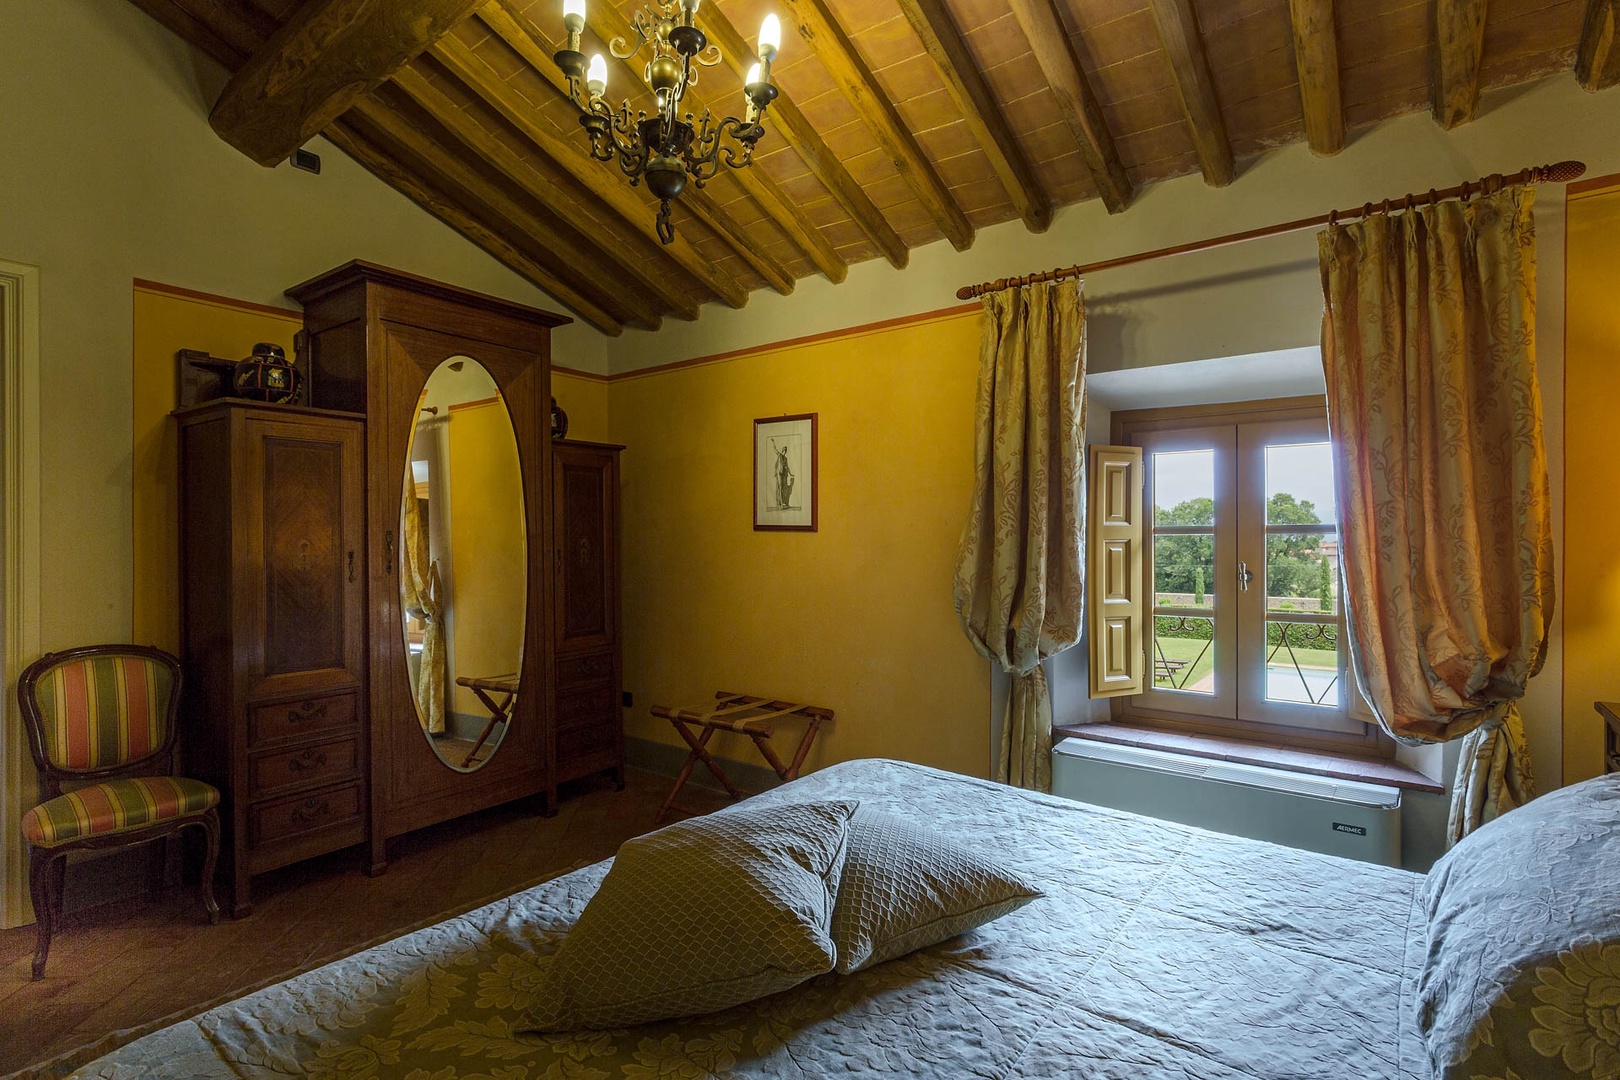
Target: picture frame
786	474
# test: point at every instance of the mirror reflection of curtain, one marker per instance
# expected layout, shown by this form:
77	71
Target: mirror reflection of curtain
421	589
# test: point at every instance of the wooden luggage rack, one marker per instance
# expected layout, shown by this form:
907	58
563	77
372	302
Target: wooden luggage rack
744	715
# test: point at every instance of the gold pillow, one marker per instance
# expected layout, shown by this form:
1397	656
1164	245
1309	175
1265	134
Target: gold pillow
904	888
701	916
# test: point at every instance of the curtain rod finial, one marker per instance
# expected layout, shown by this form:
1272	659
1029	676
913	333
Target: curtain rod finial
1561	173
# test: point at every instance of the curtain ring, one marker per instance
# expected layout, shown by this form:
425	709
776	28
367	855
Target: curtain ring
1434	197
1367	210
1333	219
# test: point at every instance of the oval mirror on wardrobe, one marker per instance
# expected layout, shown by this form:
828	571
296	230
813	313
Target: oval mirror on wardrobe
463	564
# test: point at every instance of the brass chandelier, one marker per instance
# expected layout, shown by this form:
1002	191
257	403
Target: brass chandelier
666	149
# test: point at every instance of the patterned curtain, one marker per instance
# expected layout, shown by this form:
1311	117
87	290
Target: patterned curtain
1020	571
421	595
1435	414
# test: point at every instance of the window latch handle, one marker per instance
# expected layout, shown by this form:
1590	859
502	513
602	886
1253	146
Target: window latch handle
1245	575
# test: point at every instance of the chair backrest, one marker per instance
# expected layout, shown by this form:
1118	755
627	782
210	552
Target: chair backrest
100	709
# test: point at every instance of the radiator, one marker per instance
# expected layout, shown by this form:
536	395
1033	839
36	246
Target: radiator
1336	817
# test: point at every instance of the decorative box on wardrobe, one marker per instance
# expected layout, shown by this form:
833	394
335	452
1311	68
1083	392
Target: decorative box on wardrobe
273	570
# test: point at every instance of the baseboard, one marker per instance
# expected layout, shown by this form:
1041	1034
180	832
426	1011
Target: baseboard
652	756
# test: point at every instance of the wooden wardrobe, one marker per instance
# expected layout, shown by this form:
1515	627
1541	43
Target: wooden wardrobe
273	568
374	337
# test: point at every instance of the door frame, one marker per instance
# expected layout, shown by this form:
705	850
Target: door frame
19	539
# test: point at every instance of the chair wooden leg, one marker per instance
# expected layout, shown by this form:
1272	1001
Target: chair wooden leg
44	885
210	824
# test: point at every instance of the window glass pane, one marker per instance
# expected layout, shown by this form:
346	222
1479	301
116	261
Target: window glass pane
1183	653
1302	663
1302	572
1184	571
1299	485
1184	488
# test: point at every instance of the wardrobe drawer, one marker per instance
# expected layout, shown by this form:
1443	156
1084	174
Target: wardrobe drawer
299	718
309	766
579	672
587	740
295	815
588	707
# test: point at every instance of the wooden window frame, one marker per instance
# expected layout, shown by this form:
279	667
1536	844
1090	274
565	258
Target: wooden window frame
1133	428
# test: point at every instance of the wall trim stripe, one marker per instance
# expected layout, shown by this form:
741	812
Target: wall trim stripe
1596	183
938	315
575	373
290	314
955	311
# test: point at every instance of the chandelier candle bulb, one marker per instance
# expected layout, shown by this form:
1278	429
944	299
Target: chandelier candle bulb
665	151
770	38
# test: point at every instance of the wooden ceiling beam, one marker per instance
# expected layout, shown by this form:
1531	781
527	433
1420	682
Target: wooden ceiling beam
606	184
942	40
1597	62
1460	43
837	53
792	220
1055	56
621	267
798	133
1189	66
1316	57
581	287
385	167
697	201
188	28
327	56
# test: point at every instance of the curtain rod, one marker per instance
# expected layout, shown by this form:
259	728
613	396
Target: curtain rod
1561	173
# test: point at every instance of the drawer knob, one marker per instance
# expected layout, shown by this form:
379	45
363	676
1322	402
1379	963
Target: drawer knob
312	809
309	759
309	711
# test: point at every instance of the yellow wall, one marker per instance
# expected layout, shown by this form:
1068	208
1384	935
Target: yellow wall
1592	521
856	617
486	546
165	323
585	400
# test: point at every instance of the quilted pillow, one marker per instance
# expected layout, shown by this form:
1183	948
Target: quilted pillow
904	888
1522	975
700	916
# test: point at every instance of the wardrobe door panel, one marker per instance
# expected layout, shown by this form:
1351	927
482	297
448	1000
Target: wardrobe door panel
303	555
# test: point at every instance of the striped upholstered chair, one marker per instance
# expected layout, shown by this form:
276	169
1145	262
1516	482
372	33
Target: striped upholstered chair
102	724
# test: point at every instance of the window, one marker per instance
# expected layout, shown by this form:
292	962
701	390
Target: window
1242	625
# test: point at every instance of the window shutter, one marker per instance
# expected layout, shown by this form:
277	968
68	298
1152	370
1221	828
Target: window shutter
1115	581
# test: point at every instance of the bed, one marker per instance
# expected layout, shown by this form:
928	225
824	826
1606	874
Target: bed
1158	951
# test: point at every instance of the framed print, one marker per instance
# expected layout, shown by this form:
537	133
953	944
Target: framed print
785	473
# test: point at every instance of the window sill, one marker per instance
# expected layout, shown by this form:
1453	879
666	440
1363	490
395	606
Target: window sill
1314	762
